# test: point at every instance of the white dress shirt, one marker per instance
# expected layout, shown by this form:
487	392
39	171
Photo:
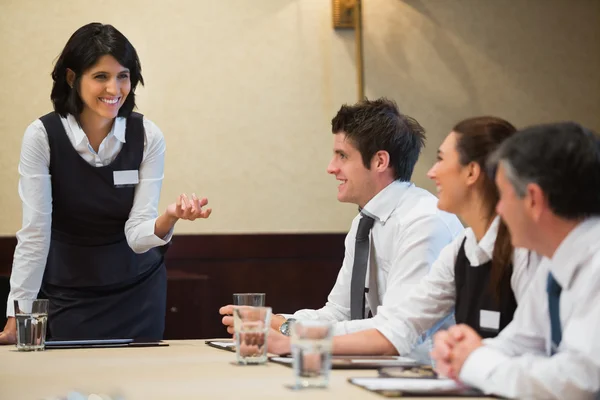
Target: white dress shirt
435	296
35	190
517	363
408	234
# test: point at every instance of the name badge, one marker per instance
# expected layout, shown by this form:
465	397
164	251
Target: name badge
127	178
489	320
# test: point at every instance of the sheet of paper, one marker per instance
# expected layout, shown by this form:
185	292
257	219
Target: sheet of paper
224	344
408	384
285	360
396	360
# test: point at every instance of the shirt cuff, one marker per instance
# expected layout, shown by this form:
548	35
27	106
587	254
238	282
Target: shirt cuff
479	365
313	315
339	328
168	237
402	345
10	305
146	239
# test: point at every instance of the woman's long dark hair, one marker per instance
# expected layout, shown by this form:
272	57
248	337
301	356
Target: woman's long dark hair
477	138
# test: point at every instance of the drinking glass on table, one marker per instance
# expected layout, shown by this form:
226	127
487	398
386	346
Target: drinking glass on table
251	326
249	299
311	343
31	317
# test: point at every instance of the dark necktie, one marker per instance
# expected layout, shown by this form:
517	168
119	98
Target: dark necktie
554	290
359	268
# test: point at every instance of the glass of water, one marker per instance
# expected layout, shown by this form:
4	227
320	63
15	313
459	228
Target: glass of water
31	317
249	299
251	326
311	351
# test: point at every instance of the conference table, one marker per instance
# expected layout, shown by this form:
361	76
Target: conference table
186	369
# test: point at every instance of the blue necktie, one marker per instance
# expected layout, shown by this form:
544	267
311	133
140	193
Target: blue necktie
554	290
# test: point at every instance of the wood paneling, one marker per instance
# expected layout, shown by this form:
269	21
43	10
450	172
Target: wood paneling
294	270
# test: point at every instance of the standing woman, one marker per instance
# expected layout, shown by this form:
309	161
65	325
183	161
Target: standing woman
90	178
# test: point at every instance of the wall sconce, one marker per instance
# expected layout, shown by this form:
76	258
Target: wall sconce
347	14
344	14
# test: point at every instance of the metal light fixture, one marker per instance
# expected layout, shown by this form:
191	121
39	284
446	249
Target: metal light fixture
347	14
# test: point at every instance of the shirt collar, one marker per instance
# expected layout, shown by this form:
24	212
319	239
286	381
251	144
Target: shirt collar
385	202
78	133
574	250
479	253
118	129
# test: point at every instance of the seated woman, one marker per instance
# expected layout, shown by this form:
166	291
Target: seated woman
479	276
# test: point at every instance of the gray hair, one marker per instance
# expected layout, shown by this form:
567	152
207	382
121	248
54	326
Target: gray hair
518	182
563	159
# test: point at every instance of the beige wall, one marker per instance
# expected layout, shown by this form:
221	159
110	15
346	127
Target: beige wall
245	90
528	61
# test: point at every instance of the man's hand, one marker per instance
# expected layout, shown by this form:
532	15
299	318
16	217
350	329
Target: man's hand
278	343
227	320
453	347
442	353
466	341
227	312
9	334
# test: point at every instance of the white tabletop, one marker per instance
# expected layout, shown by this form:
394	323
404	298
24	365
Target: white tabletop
186	369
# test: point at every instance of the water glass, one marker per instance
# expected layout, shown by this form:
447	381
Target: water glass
249	299
251	326
31	317
311	343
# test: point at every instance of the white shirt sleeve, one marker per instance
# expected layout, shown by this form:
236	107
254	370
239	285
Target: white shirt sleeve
139	228
35	191
525	264
435	297
337	307
33	239
418	245
515	363
425	305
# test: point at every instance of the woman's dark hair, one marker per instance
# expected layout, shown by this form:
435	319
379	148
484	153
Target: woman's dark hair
82	51
477	138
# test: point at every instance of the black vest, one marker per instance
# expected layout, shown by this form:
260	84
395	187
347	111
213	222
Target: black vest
473	294
88	247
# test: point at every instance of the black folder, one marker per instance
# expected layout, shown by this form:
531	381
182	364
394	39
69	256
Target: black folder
100	343
356	362
218	344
